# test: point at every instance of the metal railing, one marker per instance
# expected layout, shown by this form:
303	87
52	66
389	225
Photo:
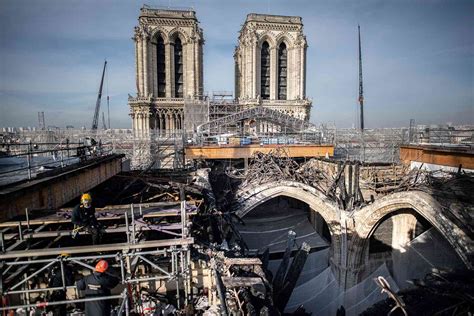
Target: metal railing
371	145
27	160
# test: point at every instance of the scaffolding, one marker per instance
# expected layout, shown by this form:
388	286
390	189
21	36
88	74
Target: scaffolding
166	261
259	112
28	160
165	150
196	112
223	104
370	145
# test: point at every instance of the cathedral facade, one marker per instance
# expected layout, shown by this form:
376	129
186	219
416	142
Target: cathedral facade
168	62
270	67
270	64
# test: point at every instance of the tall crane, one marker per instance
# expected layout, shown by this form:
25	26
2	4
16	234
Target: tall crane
95	121
361	87
104	126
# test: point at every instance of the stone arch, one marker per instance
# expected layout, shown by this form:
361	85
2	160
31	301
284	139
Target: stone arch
178	32
252	197
286	38
269	38
368	218
158	31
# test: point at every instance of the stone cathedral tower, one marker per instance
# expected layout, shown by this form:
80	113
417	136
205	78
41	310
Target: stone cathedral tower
168	61
270	64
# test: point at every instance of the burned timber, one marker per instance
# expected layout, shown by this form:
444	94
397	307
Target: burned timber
234	204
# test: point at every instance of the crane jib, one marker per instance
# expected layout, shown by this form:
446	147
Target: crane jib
95	121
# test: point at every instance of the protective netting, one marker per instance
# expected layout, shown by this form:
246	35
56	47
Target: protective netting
315	294
428	250
321	294
316	263
317	289
272	232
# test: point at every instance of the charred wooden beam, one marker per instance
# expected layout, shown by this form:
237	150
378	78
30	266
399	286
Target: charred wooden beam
281	272
292	276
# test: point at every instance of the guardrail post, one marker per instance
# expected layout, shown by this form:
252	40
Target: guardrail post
20	232
27	219
67	148
132	211
2	241
127	227
28	158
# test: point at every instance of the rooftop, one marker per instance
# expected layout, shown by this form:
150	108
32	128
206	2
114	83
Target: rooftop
269	18
167	12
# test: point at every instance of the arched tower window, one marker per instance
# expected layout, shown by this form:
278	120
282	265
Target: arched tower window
282	71
160	67
178	69
265	71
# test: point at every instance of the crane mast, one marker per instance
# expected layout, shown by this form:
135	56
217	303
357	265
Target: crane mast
361	87
95	121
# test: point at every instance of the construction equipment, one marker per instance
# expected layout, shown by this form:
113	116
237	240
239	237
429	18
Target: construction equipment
361	87
41	123
95	121
104	126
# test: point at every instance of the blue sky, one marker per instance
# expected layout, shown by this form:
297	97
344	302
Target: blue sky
418	57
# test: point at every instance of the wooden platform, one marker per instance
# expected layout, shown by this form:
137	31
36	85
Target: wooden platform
438	155
246	151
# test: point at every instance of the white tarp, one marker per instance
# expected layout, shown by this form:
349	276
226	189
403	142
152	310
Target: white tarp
316	263
260	233
428	250
322	296
317	289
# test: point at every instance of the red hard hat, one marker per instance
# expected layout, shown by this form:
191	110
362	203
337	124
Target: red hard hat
101	266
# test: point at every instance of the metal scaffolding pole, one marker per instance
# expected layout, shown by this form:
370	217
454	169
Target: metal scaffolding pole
122	255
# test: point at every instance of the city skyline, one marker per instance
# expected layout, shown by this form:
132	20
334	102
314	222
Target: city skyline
418	58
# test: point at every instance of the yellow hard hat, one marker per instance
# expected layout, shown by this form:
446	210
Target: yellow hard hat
86	197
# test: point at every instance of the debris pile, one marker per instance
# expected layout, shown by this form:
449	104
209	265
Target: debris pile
276	166
350	184
438	293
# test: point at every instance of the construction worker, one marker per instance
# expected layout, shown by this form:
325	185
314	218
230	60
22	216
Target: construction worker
83	218
98	284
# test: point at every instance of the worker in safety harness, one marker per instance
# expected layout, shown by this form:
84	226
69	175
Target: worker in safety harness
83	218
98	284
